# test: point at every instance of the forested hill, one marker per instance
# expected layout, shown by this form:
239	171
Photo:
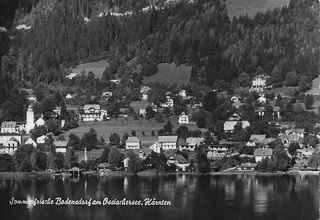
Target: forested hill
196	33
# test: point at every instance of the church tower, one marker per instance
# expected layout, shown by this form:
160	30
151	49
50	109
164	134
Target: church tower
30	119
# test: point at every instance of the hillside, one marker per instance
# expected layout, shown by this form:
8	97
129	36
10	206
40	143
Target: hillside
170	74
251	7
96	67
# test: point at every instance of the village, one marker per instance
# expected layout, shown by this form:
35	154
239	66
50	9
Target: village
233	148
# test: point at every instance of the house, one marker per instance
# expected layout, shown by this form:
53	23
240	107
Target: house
261	111
217	151
235	98
133	143
116	81
194	141
61	146
276	111
143	111
40	121
256	140
42	139
144	92
106	95
259	83
260	154
183	93
9	142
156	147
168	142
179	161
299	131
183	118
289	139
92	112
247	166
69	96
9	127
103	166
183	145
30	141
228	126
72	75
262	99
168	103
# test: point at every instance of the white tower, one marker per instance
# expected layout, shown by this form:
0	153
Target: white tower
30	119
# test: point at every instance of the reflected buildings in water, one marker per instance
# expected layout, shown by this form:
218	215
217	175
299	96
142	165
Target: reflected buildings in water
192	197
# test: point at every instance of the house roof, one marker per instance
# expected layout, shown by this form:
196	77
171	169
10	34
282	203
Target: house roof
276	108
261	109
182	142
30	141
172	138
132	139
194	140
179	158
87	107
75	169
8	124
263	152
60	143
229	125
298	130
268	140
258	138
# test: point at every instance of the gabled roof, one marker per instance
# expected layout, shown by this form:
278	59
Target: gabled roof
8	124
263	152
194	140
96	106
179	158
258	138
172	138
60	143
132	139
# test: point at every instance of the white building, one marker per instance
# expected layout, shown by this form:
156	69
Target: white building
42	139
9	127
183	118
61	146
30	119
168	142
156	147
93	113
259	83
133	143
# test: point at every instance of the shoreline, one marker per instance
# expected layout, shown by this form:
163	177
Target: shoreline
43	174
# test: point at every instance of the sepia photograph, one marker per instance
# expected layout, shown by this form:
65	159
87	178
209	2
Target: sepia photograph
160	109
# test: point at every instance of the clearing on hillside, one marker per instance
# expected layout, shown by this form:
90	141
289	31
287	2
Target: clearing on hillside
251	7
315	89
96	67
171	74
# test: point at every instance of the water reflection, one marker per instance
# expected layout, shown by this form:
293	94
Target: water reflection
191	197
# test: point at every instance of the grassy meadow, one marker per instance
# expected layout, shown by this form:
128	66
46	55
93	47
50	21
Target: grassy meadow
169	73
96	67
251	7
126	125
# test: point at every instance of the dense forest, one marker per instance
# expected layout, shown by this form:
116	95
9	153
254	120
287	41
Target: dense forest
283	43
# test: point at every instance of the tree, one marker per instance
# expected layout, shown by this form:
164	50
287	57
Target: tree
314	159
59	160
134	163
38	131
124	138
210	101
133	133
159	117
309	101
293	147
168	127
74	142
89	140
150	113
183	132
240	134
114	139
292	79
64	115
41	160
281	158
115	158
203	162
275	79
6	163
105	155
152	133
244	80
23	154
166	112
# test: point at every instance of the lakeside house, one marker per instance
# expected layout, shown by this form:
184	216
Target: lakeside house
9	127
179	161
9	142
260	154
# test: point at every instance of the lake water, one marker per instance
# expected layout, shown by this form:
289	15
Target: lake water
181	197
